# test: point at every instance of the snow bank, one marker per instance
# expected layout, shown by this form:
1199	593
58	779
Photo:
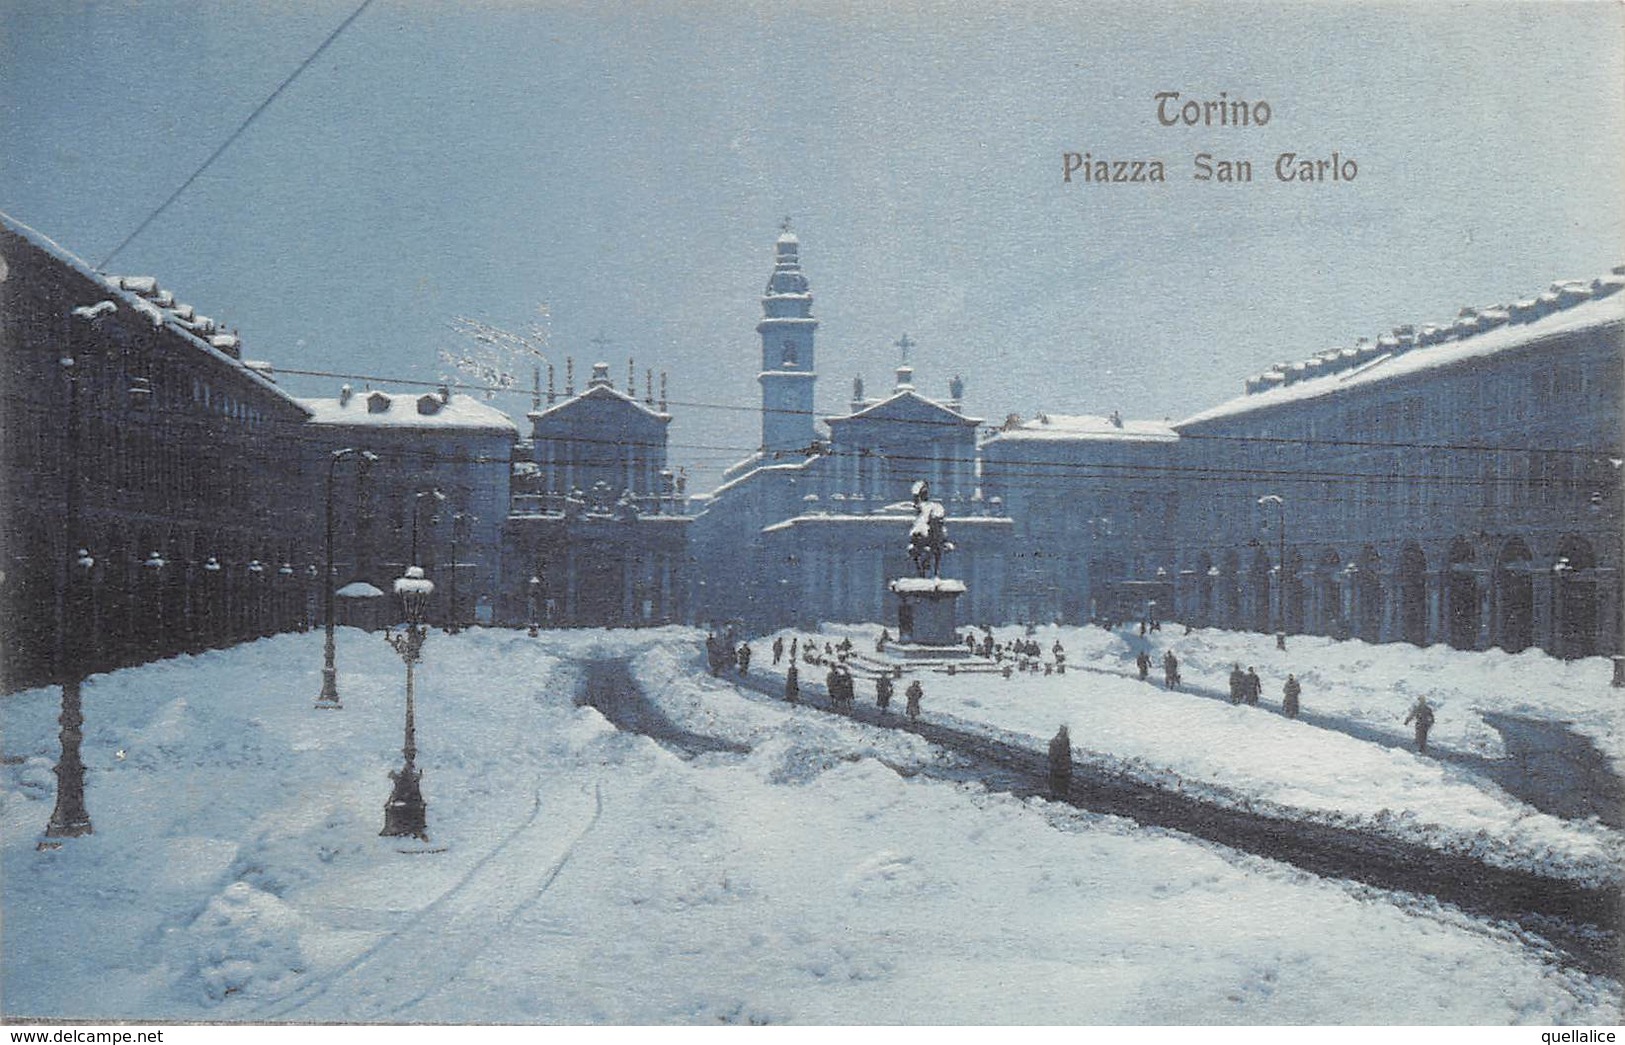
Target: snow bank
576	874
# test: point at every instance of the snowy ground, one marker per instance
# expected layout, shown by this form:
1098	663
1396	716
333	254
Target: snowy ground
587	875
1255	758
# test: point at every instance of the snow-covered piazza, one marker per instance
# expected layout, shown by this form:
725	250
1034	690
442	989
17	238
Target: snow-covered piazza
719	855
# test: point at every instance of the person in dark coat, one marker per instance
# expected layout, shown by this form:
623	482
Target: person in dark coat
883	694
1289	697
914	692
1170	670
743	657
1143	662
1060	764
1422	715
880	643
778	650
1255	687
1238	684
792	684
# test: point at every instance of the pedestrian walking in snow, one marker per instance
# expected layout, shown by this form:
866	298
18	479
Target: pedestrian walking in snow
1060	764
794	644
1422	714
883	694
778	650
1143	662
743	657
792	684
914	692
880	643
1238	684
1289	697
1170	670
1255	686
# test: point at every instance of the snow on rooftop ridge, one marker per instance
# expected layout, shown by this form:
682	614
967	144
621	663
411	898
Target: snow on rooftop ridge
1596	311
1088	426
377	408
1469	321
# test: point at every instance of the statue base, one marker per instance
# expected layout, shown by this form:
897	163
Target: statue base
926	619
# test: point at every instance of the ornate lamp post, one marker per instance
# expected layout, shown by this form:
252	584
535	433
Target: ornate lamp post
532	586
1280	567
330	690
70	819
405	814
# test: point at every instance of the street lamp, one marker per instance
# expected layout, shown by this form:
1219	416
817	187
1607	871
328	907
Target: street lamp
211	598
533	586
405	814
330	690
69	819
1280	568
256	595
154	565
458	519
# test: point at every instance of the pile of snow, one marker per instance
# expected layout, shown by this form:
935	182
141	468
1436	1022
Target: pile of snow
1252	758
578	874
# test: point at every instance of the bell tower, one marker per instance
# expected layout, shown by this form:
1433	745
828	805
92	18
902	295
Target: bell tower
788	374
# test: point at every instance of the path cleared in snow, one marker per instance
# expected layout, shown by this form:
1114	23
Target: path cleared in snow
827	876
1583	921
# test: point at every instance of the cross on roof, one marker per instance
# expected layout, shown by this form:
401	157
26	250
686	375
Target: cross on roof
784	226
905	343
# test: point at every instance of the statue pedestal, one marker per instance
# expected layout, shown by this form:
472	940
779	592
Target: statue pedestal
926	612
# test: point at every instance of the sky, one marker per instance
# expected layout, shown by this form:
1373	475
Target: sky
629	165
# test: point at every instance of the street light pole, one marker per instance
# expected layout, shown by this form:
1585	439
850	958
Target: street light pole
70	819
406	814
330	691
1280	568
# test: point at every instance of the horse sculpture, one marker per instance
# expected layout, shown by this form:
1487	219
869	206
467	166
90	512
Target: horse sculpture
928	537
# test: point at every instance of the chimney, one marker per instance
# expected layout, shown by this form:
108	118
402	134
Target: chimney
569	375
662	391
631	378
649	387
858	402
551	395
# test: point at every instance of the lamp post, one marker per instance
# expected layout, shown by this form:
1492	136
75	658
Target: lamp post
154	567
286	619
458	520
405	814
532	586
211	599
69	819
330	690
1280	568
256	595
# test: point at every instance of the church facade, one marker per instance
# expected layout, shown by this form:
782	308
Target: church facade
811	526
598	518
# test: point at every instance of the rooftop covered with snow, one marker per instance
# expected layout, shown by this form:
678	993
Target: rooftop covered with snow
377	409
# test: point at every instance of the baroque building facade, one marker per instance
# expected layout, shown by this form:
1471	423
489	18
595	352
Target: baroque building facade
811	526
598	518
1455	484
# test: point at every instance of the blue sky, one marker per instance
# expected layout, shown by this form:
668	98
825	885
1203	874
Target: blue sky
629	165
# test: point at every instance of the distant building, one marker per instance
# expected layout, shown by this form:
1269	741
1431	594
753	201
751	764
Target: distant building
1094	501
1455	484
133	429
810	527
597	517
431	490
